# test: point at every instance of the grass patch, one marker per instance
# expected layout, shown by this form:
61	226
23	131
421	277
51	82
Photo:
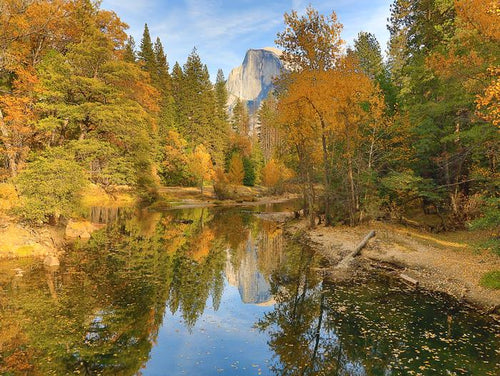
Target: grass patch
491	280
491	244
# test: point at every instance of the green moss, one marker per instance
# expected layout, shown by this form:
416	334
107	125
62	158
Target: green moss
491	280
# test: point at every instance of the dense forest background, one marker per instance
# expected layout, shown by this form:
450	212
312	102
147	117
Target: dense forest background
361	137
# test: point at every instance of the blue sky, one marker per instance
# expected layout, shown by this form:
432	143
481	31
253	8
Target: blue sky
223	30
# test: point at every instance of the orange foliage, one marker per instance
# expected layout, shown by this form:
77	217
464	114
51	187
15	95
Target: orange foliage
202	245
482	16
489	102
274	173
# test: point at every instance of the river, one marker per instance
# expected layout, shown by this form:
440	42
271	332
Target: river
222	291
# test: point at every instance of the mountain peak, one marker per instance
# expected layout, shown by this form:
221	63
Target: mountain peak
252	81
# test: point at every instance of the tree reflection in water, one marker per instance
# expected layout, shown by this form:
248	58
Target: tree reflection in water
370	325
100	313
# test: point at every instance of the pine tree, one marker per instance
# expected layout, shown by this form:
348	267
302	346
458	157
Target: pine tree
164	85
221	96
221	123
197	104
129	54
367	50
240	120
177	79
146	55
161	66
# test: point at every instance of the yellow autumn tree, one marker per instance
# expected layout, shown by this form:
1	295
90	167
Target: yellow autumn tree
200	165
325	100
236	171
274	174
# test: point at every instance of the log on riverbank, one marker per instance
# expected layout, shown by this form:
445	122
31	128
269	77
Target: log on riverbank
347	261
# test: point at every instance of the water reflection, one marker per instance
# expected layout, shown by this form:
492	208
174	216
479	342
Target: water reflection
206	291
100	312
371	326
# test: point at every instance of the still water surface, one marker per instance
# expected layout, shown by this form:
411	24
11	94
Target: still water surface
223	292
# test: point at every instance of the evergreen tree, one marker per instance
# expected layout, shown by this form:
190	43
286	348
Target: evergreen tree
240	120
147	56
197	105
221	122
367	50
161	66
221	96
129	53
177	79
164	85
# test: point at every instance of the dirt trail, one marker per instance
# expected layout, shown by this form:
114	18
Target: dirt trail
438	265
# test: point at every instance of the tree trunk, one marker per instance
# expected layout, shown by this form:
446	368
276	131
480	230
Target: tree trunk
326	165
11	154
352	205
307	184
310	200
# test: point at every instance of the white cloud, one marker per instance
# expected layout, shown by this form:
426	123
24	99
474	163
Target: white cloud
221	34
223	30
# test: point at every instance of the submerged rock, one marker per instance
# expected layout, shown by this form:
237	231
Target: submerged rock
51	261
80	229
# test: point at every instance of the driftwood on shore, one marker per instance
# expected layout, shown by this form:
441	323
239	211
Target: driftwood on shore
346	261
409	280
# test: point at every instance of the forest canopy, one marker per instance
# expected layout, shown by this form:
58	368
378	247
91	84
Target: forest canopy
359	135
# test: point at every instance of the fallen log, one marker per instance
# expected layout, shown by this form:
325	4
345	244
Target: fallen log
346	262
363	243
409	279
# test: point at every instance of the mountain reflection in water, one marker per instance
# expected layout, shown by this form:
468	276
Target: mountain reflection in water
211	291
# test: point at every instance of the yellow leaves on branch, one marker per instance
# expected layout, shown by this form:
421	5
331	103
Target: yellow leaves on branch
482	16
332	102
200	164
488	103
274	173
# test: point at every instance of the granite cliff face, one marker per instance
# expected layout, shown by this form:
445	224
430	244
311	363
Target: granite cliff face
252	81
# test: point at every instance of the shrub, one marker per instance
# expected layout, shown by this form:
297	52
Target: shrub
222	187
49	187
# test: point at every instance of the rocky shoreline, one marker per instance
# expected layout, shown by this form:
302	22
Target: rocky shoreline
417	258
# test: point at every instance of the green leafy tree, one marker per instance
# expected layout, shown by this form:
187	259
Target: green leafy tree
50	187
250	175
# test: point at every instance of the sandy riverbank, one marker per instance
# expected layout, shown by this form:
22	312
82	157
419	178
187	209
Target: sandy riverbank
452	267
191	197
